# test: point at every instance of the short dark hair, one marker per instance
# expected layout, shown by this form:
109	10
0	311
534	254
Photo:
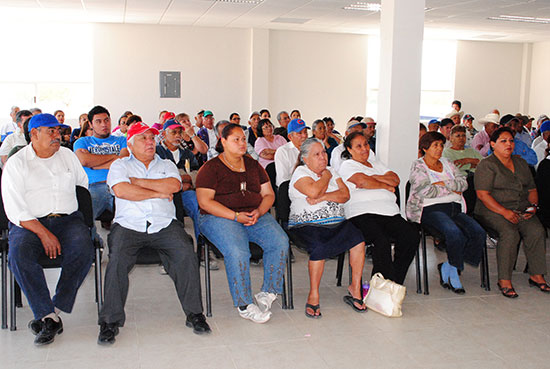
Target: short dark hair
98	109
328	119
457	103
347	144
265	111
458	128
57	111
133	119
497	133
261	125
429	138
421	127
22	113
226	131
445	122
233	115
295	111
26	128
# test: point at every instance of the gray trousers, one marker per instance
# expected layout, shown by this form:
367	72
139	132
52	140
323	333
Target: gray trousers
509	235
176	254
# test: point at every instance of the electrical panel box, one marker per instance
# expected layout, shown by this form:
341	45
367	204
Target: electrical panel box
170	84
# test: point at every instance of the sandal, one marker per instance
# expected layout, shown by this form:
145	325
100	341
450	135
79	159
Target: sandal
544	287
351	301
315	309
508	291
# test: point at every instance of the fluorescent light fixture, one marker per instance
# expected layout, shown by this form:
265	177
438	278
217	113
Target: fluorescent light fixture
359	5
518	18
239	1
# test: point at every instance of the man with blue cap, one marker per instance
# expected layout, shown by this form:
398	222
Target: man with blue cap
286	156
39	193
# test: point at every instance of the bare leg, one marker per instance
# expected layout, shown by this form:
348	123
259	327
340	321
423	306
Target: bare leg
357	261
316	268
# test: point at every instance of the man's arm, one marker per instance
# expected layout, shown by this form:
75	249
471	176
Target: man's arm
98	161
132	192
166	186
51	244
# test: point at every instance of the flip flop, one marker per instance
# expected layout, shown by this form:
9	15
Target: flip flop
351	301
315	309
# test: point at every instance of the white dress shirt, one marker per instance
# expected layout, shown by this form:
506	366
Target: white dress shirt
7	128
286	157
13	140
135	215
33	187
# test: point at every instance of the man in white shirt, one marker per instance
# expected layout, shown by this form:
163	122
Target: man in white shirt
286	156
336	159
9	127
39	194
17	138
145	216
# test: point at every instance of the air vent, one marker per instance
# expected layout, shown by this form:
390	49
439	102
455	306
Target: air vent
290	20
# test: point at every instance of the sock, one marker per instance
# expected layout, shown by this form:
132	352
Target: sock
57	311
51	316
453	277
445	272
243	308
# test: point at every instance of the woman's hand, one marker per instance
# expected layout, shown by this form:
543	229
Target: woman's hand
327	174
511	216
249	218
440	183
312	201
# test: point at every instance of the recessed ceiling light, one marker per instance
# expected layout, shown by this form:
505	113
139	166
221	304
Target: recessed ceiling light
517	18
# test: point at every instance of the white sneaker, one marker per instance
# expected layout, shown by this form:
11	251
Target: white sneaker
162	271
254	313
264	300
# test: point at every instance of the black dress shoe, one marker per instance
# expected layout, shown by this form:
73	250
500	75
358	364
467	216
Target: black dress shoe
107	333
441	282
198	323
35	326
459	291
49	329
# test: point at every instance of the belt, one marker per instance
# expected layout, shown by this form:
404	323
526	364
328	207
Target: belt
56	215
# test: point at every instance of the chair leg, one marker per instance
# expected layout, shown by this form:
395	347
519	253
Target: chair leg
482	270
486	267
284	305
4	288
207	280
340	269
425	264
290	295
349	269
418	276
13	325
98	280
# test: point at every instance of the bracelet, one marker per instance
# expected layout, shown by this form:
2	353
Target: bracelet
236	216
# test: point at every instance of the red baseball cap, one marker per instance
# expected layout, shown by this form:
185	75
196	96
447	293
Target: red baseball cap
169	115
139	128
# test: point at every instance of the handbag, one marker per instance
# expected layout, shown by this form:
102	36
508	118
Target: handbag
385	296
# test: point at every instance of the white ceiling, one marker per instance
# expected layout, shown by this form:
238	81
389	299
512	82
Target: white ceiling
450	19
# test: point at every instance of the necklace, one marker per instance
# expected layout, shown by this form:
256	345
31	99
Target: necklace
231	166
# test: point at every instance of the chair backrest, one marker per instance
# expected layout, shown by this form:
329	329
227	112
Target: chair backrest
398	197
3	216
84	200
283	202
180	211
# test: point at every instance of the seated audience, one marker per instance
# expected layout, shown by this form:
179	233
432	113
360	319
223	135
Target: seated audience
295	114
317	195
122	127
8	128
75	134
536	135
331	132
540	149
370	132
435	200
468	122
143	185
65	132
235	118
267	143
286	156
445	127
96	154
163	117
433	125
265	114
198	121
235	196
543	189
508	200
465	159
454	116
457	106
27	135
283	119
481	140
60	116
372	208
319	131
35	111
208	135
252	131
336	159
523	133
39	193
86	130
189	139
520	148
17	138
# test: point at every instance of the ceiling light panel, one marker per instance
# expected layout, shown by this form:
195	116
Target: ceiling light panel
522	19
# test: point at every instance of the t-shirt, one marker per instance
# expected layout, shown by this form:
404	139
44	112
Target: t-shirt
262	143
367	201
99	146
469	153
301	212
238	191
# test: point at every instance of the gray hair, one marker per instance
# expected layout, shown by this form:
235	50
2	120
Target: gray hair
306	147
280	114
13	108
316	123
36	110
220	123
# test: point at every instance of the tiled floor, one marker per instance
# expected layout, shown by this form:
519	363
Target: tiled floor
477	330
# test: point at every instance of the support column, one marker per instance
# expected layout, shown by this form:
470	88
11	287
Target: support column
401	36
259	71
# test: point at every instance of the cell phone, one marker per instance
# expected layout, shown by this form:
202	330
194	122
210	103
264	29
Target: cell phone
530	209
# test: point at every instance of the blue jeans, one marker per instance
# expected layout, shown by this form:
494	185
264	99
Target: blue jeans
232	239
102	200
76	258
191	207
464	237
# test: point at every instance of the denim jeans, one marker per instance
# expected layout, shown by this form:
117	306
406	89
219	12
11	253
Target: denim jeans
76	258
101	200
464	237
191	206
232	239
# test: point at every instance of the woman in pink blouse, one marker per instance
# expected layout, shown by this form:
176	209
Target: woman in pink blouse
267	143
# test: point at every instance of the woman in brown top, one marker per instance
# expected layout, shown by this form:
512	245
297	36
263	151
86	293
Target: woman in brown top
235	195
509	198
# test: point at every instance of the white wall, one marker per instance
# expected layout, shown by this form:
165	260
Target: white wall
319	74
539	93
488	76
214	65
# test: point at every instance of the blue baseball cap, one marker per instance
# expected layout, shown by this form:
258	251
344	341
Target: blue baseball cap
434	121
44	120
545	126
296	125
171	124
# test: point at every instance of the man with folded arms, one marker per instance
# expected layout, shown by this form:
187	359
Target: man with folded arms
143	185
39	193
